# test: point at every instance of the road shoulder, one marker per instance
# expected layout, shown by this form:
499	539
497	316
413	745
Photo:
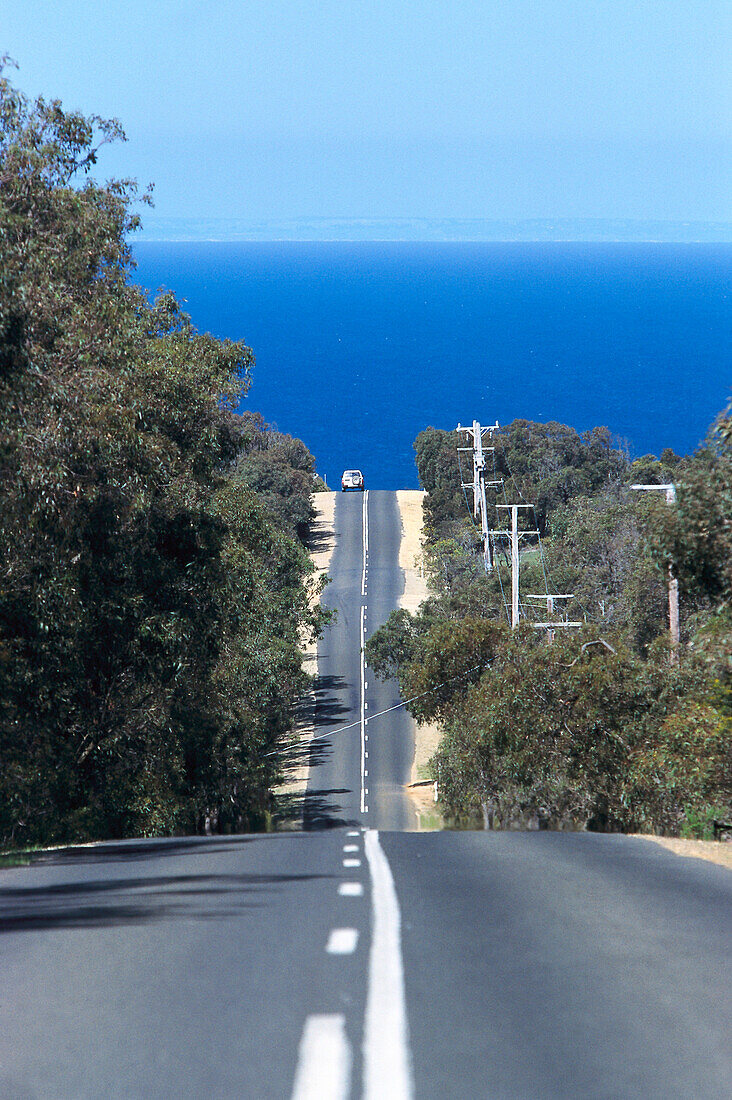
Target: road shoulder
712	850
427	736
290	794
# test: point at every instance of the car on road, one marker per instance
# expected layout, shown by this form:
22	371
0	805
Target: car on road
352	479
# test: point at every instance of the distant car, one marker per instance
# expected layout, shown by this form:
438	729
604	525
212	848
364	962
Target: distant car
352	479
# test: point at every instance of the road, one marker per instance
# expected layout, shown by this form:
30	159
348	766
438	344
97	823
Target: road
362	759
355	959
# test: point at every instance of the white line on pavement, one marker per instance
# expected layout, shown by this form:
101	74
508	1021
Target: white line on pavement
386	1070
363	715
342	941
365	540
351	862
350	889
353	832
350	847
324	1060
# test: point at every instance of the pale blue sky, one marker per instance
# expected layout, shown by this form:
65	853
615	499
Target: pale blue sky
272	109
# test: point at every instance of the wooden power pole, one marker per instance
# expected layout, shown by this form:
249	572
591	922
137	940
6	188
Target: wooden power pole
673	584
514	535
478	484
553	623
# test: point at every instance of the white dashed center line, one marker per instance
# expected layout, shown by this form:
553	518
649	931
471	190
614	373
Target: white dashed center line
342	941
324	1060
351	862
350	890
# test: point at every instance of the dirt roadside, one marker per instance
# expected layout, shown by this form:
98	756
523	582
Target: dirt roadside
427	737
712	850
290	795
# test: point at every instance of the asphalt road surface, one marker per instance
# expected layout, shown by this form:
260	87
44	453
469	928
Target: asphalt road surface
355	959
362	758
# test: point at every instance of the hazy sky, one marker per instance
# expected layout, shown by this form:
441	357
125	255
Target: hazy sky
269	109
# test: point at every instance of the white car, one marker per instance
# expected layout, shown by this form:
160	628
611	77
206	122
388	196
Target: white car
352	479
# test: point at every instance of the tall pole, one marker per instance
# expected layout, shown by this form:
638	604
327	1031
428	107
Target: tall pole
672	581
514	567
514	535
478	465
480	507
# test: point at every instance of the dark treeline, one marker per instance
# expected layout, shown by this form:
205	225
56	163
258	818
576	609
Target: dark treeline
154	587
602	729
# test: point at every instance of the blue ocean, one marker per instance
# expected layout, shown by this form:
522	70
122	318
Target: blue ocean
359	346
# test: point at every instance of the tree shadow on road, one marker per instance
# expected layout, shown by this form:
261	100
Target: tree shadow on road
143	899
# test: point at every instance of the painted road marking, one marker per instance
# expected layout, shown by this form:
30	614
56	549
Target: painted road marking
353	832
386	1070
342	941
350	847
350	890
365	532
363	715
351	862
365	540
324	1060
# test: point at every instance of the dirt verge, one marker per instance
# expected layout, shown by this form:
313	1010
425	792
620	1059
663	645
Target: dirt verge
427	737
712	850
290	794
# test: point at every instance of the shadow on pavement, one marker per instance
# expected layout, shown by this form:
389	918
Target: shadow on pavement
319	810
106	903
328	709
125	851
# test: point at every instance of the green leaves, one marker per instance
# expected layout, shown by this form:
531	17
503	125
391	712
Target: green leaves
151	603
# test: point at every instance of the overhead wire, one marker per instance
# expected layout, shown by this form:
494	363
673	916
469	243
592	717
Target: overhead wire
397	706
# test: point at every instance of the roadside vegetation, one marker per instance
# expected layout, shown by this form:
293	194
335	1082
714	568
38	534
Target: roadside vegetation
602	729
154	585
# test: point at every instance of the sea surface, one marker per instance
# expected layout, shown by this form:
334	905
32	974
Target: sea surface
359	346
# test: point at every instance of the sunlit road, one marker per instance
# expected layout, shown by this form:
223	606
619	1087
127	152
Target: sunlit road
362	760
353	959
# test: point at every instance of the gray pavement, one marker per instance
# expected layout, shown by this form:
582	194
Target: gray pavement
335	782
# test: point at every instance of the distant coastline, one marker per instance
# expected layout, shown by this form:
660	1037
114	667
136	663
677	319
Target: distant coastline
352	230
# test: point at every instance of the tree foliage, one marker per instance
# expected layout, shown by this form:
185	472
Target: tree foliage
151	598
599	730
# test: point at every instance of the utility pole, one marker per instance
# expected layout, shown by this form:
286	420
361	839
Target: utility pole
553	624
514	534
478	485
673	584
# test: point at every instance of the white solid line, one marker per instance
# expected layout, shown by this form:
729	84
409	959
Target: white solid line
342	941
350	890
363	712
323	1061
350	847
351	862
386	1070
365	539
